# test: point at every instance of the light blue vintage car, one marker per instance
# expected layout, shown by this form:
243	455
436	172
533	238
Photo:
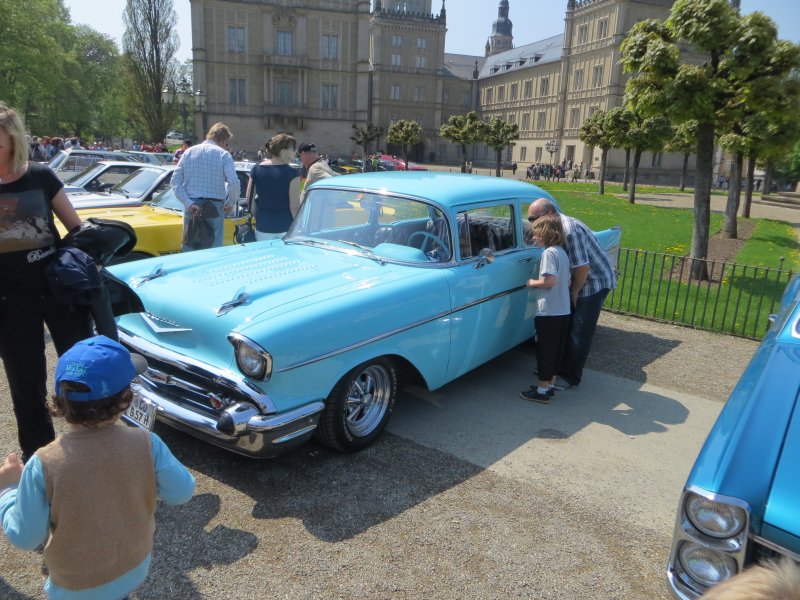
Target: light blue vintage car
384	279
741	503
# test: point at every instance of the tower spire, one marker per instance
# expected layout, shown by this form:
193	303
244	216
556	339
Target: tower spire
502	38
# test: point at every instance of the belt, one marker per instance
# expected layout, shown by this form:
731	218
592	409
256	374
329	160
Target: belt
211	199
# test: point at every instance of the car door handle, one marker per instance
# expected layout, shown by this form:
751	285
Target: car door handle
527	259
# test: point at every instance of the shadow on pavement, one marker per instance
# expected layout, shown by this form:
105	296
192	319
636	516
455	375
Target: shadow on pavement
9	593
626	353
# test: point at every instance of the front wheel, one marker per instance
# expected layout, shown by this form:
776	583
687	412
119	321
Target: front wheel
359	406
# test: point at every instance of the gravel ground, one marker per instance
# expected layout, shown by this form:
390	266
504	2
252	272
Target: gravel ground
400	520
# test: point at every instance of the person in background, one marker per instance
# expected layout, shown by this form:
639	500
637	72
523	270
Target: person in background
593	278
179	152
200	184
30	197
277	185
553	306
90	496
316	166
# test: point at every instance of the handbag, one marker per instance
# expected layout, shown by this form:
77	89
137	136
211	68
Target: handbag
244	233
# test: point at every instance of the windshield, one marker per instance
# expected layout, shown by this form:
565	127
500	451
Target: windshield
137	184
386	227
57	160
167	199
79	179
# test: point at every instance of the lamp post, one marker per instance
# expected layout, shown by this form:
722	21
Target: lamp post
200	105
183	91
552	147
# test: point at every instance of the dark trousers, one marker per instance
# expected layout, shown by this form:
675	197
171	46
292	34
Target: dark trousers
22	346
585	314
551	340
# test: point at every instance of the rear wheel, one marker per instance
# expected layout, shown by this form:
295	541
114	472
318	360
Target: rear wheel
359	406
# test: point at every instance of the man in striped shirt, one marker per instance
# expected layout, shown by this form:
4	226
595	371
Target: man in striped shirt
593	277
200	184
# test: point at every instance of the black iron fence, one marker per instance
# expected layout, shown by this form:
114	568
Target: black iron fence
735	299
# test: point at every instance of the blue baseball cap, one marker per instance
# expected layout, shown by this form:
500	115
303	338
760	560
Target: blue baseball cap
101	364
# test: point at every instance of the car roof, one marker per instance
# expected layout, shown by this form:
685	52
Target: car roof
447	189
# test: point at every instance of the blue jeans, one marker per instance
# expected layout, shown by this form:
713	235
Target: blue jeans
585	314
217	224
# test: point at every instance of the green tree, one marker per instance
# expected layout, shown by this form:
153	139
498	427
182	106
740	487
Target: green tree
499	135
594	132
404	134
702	86
362	136
645	133
150	44
684	142
617	125
463	130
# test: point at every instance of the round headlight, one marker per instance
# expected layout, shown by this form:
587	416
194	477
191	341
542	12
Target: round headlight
252	360
715	519
704	565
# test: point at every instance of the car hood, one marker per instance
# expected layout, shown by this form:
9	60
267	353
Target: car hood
261	290
89	200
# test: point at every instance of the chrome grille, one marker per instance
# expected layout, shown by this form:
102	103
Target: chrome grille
761	551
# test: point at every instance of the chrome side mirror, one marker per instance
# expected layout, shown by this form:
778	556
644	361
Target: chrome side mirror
485	257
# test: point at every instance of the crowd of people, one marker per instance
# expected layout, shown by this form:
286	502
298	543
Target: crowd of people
565	170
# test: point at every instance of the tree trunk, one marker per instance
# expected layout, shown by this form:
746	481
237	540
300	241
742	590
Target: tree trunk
405	158
748	195
731	229
684	171
603	157
637	157
626	173
463	158
767	187
498	164
702	200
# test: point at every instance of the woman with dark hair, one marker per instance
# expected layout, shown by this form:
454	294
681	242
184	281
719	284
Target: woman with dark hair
30	194
277	188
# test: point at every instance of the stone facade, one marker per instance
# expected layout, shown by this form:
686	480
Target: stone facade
315	67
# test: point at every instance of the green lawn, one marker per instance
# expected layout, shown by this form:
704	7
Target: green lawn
616	188
653	281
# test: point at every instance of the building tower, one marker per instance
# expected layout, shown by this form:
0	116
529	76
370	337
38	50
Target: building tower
501	38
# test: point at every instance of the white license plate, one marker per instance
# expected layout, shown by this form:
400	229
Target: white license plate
141	412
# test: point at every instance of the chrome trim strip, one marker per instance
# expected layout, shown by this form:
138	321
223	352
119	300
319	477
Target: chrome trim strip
773	546
382	336
224	377
152	323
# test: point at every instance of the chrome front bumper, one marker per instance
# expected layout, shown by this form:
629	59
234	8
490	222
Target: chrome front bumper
248	423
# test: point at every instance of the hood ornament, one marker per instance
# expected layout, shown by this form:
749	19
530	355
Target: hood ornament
154	274
238	299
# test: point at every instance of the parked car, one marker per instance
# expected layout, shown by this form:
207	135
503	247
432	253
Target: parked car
67	163
151	158
384	279
137	188
101	176
159	224
739	506
175	138
400	164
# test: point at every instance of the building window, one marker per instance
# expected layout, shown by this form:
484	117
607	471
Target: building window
394	92
544	86
526	121
235	39
512	118
422	43
330	47
418	119
514	91
574	117
284	94
393	119
597	76
395	60
501	93
489	95
523	153
422	62
236	91
419	94
537	155
540	120
285	43
583	34
655	161
528	89
577	80
330	96
397	40
464	98
602	29
592	110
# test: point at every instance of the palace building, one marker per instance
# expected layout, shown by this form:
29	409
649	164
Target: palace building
315	67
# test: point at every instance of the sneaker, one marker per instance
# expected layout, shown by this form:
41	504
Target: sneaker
533	395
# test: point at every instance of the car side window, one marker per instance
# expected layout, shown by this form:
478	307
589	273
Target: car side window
486	227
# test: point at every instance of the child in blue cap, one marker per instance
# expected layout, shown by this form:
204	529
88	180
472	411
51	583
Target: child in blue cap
90	496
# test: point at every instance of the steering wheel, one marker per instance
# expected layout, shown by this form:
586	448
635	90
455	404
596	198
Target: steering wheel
428	236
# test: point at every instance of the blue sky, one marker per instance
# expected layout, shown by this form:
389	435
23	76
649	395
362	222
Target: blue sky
469	22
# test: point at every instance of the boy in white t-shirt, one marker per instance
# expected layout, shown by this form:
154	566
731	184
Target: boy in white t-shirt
553	304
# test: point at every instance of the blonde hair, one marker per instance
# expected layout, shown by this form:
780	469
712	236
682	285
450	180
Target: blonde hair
12	124
220	133
279	143
769	581
548	228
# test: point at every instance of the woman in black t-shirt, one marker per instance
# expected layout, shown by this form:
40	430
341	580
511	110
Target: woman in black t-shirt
29	195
